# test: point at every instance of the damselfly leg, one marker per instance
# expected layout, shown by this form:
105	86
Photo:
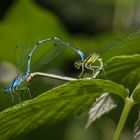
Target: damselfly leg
25	88
90	65
82	71
15	92
12	98
17	96
98	69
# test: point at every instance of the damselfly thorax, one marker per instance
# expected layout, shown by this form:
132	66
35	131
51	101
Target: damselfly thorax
93	63
91	59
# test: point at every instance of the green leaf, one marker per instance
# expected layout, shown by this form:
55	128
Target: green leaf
55	105
136	93
124	69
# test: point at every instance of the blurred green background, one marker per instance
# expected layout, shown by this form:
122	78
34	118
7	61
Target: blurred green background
88	24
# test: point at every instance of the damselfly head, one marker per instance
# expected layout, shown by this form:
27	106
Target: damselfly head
78	64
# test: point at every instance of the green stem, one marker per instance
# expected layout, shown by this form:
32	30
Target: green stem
129	102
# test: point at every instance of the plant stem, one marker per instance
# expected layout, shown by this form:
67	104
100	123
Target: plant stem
129	102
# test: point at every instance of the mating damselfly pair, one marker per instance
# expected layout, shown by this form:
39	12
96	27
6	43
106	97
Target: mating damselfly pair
93	62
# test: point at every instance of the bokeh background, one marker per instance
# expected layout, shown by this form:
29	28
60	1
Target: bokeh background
88	24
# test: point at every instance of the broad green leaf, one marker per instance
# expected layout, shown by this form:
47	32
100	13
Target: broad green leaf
132	78
55	105
136	93
124	69
101	106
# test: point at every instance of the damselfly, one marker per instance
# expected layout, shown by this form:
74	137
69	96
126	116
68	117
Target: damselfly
17	82
88	63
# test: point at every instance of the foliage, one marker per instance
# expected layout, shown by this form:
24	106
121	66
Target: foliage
73	98
124	69
55	105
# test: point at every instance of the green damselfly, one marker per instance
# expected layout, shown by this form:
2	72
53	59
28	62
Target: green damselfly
90	63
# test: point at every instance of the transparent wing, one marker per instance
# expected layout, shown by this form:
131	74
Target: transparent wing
130	34
48	56
22	52
41	53
51	47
